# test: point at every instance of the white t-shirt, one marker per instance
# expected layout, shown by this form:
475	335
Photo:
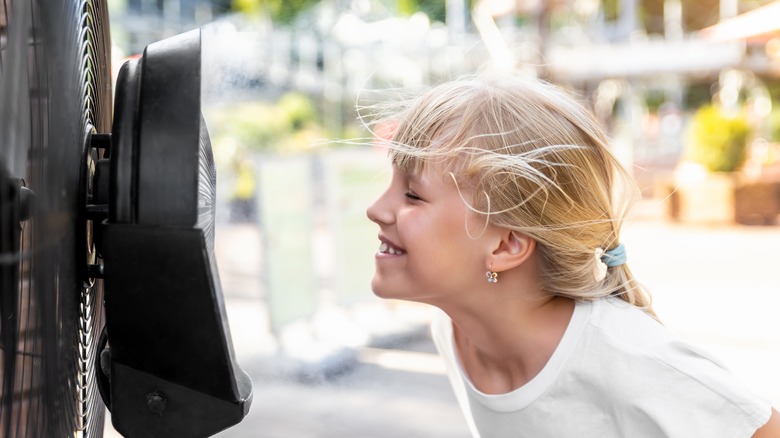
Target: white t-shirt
617	372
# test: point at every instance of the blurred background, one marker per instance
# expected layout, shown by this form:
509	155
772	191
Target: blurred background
688	90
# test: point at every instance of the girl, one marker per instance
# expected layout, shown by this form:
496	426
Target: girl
504	211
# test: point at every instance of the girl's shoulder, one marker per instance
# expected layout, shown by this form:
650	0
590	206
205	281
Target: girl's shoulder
625	322
623	332
633	359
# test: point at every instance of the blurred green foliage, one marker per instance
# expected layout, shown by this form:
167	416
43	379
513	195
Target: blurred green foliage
612	9
716	140
291	124
654	99
297	109
282	11
435	9
697	95
286	11
774	123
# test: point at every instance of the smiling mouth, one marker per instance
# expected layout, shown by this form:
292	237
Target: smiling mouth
386	248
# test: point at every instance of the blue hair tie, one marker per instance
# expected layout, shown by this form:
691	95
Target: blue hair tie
615	256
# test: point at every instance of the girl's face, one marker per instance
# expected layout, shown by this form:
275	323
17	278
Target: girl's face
425	252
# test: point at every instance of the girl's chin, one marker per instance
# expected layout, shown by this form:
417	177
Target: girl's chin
382	291
395	294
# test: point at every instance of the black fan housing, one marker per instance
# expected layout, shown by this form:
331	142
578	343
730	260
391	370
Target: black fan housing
169	367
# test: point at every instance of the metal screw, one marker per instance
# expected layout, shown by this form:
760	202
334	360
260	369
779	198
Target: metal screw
155	402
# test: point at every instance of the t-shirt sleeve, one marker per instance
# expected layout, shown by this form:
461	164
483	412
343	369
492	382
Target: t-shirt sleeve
720	403
680	391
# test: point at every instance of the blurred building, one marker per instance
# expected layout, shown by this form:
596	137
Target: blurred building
646	64
136	23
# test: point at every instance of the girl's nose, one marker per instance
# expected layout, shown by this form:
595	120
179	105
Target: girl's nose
379	212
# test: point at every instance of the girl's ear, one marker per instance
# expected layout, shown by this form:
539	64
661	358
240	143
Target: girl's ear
513	249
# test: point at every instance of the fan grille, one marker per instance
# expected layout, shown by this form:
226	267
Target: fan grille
58	55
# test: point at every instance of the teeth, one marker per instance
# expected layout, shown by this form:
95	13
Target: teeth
387	249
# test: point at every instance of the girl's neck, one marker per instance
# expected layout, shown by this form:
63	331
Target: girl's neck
503	344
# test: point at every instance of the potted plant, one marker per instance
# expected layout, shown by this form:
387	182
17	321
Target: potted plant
717	140
707	179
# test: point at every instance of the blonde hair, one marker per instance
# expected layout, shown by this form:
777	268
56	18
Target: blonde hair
538	163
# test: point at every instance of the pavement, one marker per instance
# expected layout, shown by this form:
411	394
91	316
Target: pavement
718	286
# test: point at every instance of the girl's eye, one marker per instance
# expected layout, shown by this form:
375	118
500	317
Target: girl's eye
412	197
